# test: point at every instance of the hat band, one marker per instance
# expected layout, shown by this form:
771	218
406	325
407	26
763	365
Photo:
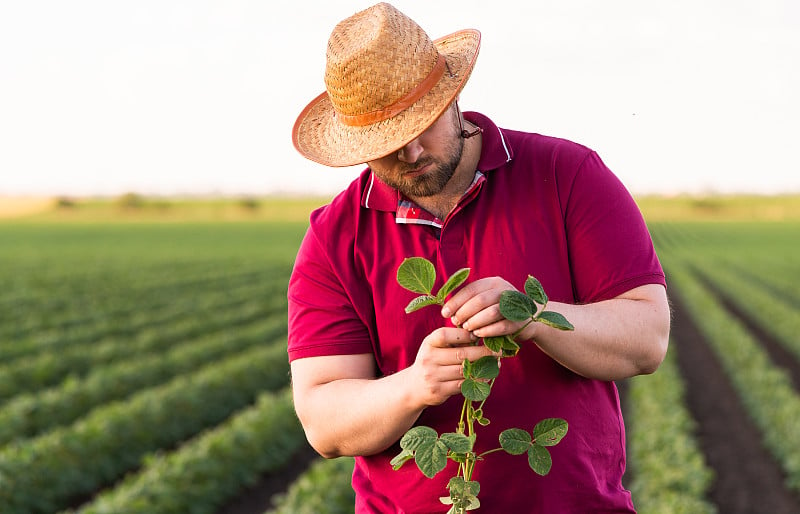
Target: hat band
368	118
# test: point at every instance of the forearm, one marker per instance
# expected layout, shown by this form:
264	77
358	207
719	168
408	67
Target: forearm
612	340
356	416
346	410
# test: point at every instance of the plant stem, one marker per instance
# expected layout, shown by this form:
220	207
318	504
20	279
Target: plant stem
487	452
463	415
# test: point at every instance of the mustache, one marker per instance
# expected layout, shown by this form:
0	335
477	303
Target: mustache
407	167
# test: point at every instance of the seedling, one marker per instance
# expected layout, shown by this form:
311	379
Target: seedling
430	450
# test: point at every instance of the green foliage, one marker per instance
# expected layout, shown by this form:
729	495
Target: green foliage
324	488
28	414
79	458
424	445
123	343
418	275
765	390
669	470
205	471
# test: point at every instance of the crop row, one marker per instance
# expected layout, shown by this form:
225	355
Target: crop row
34	304
48	472
48	368
165	320
766	390
89	320
209	469
324	488
670	475
28	414
770	313
782	283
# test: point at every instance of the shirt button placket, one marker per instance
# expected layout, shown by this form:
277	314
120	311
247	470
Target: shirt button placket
452	251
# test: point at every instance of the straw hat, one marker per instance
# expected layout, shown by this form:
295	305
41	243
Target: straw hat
386	82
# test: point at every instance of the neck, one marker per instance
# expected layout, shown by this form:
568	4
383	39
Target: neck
441	204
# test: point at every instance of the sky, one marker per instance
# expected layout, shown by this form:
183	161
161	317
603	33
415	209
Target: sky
196	97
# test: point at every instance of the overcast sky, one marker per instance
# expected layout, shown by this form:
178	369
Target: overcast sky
199	97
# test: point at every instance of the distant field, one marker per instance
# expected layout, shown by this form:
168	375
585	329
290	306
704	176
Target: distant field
278	208
156	209
720	208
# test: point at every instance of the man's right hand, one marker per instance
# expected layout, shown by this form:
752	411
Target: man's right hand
438	369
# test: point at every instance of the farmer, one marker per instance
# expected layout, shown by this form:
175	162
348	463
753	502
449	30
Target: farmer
454	188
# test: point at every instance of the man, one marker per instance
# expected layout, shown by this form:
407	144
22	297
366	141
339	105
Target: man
462	192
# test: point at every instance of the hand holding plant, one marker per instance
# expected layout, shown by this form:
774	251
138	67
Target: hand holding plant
424	445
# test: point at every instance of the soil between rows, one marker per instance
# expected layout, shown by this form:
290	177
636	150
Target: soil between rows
258	498
748	480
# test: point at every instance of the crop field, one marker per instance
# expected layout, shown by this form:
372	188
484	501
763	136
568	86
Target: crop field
143	365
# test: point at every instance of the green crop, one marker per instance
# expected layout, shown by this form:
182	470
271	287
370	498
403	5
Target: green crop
431	450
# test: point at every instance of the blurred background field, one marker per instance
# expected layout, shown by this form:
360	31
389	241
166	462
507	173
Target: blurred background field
135	207
143	358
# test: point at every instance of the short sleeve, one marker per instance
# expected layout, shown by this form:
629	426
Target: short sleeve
322	320
610	247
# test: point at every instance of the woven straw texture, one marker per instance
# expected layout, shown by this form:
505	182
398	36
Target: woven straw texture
380	62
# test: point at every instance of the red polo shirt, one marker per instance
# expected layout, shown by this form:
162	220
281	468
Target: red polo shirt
546	207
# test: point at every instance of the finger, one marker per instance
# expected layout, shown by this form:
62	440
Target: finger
499	328
464	294
448	337
474	353
473	321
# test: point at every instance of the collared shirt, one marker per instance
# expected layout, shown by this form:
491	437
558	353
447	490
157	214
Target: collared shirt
409	212
546	207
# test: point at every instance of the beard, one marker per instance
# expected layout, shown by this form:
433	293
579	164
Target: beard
434	180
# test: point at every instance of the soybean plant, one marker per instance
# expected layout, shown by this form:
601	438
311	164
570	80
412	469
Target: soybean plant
429	449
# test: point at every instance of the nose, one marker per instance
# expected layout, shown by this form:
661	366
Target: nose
410	152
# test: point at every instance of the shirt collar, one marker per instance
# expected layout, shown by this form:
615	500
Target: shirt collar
495	152
410	213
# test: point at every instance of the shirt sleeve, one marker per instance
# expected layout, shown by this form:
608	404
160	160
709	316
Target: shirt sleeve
322	320
611	250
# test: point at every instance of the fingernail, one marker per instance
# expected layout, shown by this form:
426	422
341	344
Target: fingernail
455	321
446	312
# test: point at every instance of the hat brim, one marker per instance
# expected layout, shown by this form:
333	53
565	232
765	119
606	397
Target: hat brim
319	136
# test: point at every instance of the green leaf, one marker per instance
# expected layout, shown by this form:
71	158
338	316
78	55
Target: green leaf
535	291
495	344
455	280
431	457
515	306
483	421
475	390
401	458
417	436
458	443
420	302
539	459
466	367
515	441
510	347
416	274
550	431
485	368
555	320
463	494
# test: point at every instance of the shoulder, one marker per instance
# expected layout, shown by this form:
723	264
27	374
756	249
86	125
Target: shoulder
556	152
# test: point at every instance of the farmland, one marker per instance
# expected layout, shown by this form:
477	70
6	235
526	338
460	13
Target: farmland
144	369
